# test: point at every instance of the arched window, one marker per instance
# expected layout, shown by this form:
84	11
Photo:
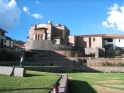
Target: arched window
93	39
39	37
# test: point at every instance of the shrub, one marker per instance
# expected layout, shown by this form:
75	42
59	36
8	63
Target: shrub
120	64
117	52
8	56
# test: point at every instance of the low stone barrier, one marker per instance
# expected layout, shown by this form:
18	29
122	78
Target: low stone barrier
63	87
12	71
107	69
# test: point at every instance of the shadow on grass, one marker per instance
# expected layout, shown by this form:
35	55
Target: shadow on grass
75	86
32	75
25	89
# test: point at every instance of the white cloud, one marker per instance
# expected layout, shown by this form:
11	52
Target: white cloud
25	9
9	14
115	19
37	15
114	8
38	2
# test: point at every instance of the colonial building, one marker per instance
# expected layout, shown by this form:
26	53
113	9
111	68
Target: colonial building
8	42
108	41
98	44
47	36
2	37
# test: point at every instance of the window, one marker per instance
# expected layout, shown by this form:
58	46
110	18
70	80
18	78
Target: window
2	34
93	39
119	40
39	37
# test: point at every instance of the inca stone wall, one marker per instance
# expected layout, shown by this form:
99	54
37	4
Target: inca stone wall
47	45
60	64
97	62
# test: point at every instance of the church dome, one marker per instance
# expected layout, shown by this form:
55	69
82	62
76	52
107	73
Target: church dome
49	22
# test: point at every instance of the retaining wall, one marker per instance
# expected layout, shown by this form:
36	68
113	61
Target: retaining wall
106	69
97	62
16	71
63	87
60	64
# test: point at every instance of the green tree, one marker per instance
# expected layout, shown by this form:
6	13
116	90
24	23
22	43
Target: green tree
117	52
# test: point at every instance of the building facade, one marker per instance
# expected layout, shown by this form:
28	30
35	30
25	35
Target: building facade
98	44
8	42
2	37
47	36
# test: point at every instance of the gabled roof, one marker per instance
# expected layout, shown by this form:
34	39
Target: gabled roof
8	38
3	30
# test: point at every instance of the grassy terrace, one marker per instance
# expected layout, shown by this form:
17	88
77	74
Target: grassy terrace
33	82
79	82
96	82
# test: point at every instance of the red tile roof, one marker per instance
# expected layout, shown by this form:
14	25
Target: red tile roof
103	35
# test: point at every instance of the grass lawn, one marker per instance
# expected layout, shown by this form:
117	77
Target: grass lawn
96	82
33	82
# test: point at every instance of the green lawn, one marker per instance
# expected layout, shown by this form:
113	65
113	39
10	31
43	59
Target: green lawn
33	82
41	82
96	82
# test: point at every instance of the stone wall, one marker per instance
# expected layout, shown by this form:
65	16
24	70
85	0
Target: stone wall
47	45
9	70
97	62
40	45
99	52
63	87
37	55
65	63
60	64
92	51
106	69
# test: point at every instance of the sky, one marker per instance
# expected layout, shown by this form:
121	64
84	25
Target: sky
79	16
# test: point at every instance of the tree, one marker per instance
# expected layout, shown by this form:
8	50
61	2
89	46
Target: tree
117	52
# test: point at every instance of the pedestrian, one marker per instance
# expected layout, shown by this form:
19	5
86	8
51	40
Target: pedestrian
57	87
51	90
12	73
21	61
54	88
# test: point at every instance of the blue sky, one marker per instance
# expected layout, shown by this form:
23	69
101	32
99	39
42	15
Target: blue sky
80	16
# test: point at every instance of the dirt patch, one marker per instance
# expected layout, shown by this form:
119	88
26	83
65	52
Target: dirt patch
90	77
112	78
101	89
110	81
70	78
117	86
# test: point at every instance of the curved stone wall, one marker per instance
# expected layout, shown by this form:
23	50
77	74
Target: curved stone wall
47	45
40	45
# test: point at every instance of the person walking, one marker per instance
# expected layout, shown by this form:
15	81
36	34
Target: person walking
21	61
12	73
